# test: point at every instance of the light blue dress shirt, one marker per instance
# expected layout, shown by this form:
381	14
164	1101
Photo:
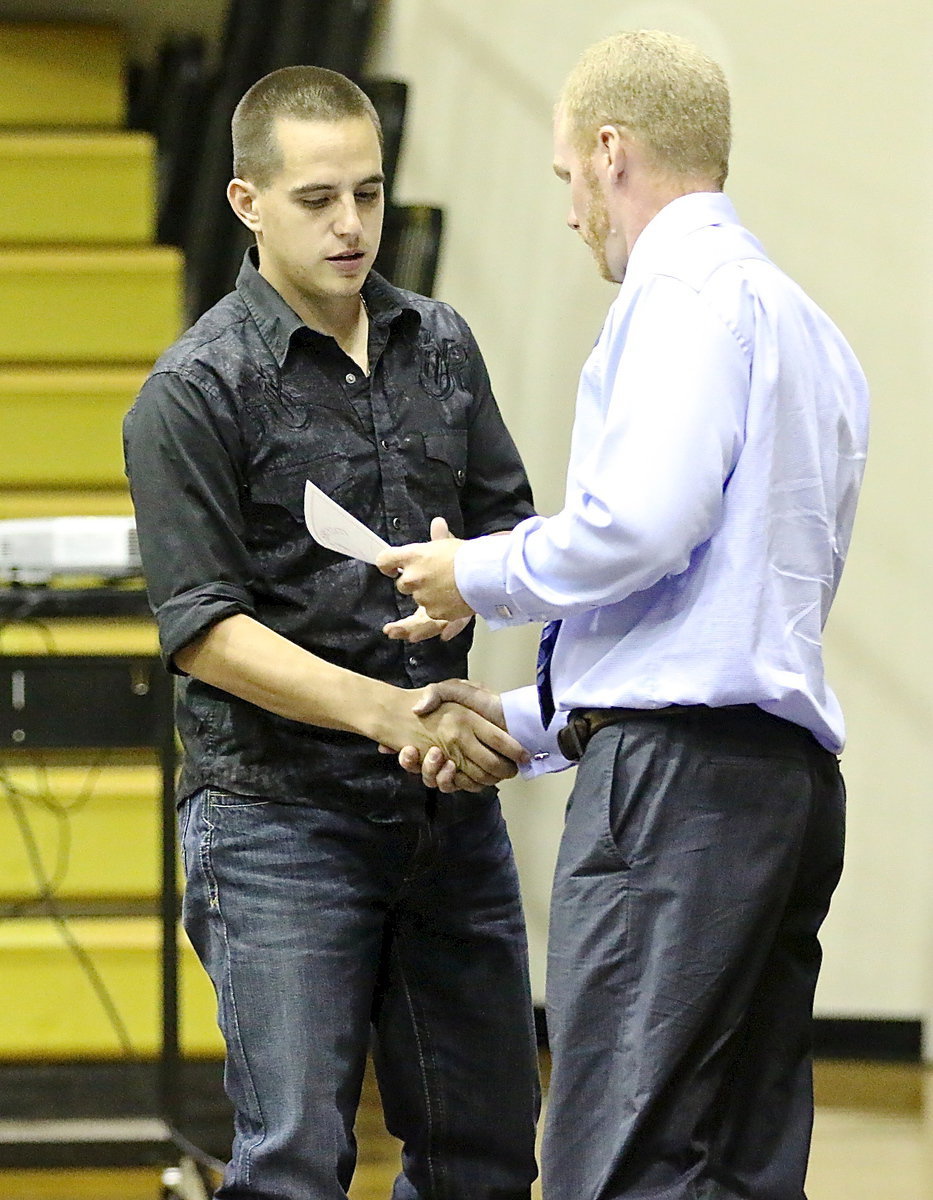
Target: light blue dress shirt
717	454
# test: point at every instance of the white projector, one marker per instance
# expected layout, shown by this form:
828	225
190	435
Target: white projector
40	549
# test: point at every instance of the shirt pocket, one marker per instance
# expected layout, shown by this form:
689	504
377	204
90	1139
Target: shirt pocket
447	455
276	518
285	488
437	478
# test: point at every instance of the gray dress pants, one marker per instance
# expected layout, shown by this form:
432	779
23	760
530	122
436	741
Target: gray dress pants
697	863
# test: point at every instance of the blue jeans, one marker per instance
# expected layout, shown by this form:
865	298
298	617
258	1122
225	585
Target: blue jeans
320	929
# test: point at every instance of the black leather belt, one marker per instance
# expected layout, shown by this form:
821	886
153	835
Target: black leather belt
585	723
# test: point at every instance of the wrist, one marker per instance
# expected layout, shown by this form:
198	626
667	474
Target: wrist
380	710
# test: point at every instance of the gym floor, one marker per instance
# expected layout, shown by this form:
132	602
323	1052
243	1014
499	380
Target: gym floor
873	1140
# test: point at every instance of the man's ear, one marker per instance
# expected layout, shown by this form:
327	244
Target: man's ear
242	197
611	149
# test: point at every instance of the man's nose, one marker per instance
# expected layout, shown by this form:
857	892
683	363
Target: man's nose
572	220
348	217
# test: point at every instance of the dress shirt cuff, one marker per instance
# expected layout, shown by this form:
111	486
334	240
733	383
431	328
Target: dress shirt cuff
480	573
523	722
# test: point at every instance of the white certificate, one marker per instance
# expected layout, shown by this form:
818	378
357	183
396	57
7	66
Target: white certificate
337	529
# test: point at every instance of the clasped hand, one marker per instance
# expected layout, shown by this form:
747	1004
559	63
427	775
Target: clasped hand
470	748
425	570
455	737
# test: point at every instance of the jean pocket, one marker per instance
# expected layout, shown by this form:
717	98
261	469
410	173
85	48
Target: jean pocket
215	799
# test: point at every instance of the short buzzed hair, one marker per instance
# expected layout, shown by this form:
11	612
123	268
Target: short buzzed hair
308	93
662	89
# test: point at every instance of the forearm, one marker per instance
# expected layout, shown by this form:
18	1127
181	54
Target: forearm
244	657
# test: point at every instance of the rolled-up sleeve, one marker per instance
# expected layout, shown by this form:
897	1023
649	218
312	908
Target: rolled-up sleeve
183	462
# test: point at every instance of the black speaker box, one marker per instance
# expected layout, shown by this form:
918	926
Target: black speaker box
59	701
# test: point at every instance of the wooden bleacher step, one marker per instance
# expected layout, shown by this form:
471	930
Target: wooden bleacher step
52	1012
61	428
71	188
61	75
16	503
113	832
130	636
89	306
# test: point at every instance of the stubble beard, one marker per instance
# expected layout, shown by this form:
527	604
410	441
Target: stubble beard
595	227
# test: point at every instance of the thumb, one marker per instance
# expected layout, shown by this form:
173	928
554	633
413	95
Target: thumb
389	561
456	691
430	700
439	529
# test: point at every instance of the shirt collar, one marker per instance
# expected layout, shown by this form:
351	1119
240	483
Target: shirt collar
680	217
278	323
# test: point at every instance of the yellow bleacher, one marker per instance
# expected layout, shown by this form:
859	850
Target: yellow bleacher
80	305
61	76
77	412
87	301
65	1017
89	187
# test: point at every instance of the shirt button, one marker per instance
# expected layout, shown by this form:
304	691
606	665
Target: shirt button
350	377
396	522
412	662
384	444
460	476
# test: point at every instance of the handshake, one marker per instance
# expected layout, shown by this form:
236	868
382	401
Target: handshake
454	736
457	738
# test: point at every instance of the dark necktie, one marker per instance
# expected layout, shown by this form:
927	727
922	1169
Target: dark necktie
543	674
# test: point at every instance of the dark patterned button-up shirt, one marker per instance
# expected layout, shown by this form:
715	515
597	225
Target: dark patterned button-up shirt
234	418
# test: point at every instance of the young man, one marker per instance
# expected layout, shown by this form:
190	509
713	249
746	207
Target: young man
328	893
716	459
